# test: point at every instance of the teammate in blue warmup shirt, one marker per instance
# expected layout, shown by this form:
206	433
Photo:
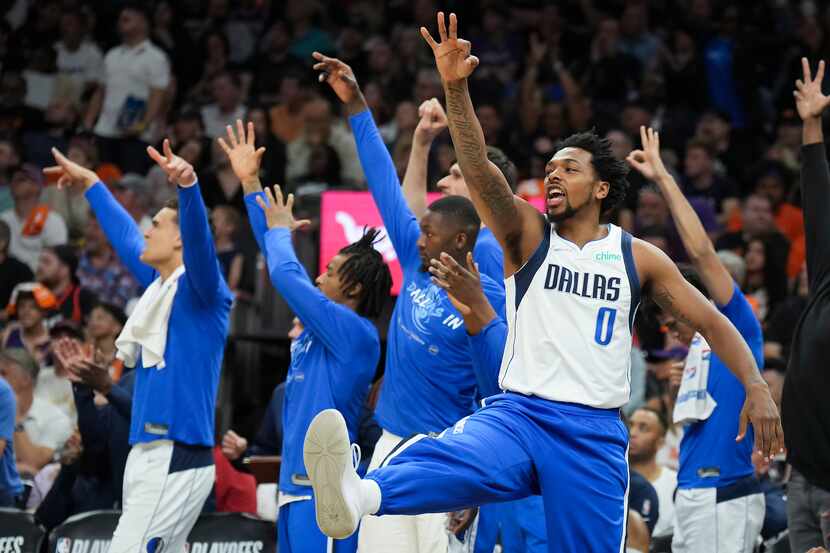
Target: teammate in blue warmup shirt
719	502
573	287
336	355
175	339
429	380
10	485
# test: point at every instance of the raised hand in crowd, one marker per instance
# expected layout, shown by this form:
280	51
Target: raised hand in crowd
95	375
71	354
178	171
342	81
233	445
69	173
452	54
243	154
279	213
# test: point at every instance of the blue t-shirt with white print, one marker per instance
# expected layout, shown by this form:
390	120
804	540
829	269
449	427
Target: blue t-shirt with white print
429	381
709	455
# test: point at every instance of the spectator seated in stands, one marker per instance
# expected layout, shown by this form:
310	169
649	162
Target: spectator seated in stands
42	429
12	270
29	305
33	225
225	220
105	324
57	270
54	383
93	480
101	272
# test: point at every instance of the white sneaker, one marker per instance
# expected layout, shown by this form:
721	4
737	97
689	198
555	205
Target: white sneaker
330	464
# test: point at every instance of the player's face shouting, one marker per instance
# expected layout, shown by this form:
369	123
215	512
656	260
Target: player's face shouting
570	183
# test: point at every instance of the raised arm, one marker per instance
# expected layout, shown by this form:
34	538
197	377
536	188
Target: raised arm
332	322
433	122
516	224
198	250
815	178
698	246
381	175
679	298
120	228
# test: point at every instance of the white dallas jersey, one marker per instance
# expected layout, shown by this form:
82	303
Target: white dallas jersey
569	316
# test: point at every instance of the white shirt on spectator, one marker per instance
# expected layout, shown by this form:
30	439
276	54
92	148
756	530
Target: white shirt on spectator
130	71
215	121
82	66
27	248
46	425
56	390
665	485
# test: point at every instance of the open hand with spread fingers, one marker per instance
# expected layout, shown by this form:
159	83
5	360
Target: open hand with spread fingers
243	154
178	171
69	173
809	99
279	214
452	54
647	161
463	285
341	79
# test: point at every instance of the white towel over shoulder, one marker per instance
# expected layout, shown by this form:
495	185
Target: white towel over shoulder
693	400
145	332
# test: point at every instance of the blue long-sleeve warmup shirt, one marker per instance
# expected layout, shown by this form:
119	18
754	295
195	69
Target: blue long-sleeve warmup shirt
177	402
430	380
332	361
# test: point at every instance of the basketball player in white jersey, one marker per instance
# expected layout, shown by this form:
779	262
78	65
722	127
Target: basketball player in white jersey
573	286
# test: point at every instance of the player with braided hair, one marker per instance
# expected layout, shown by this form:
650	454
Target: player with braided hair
335	357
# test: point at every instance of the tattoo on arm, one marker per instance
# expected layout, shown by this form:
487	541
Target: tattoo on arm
472	154
664	298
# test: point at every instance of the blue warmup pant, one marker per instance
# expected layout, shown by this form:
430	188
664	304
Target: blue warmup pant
516	446
297	532
521	525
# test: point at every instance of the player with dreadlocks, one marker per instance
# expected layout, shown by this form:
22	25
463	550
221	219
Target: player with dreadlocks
334	359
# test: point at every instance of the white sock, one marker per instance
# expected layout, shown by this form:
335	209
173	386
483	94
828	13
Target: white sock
369	497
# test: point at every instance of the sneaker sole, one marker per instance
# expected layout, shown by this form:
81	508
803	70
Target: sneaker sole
327	454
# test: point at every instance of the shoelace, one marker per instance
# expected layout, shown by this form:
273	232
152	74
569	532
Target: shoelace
355	456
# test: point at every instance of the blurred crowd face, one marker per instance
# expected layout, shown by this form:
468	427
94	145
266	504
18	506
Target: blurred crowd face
607	37
427	85
634	20
94	239
380	57
491	123
621	145
755	256
645	435
130	24
29	314
71	29
651	208
8	156
698	162
317	115
101	324
772	186
50	270
225	92
711	128
24	188
406	117
757	215
553	120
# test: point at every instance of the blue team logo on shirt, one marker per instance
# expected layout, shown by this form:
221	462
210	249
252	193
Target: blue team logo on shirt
426	305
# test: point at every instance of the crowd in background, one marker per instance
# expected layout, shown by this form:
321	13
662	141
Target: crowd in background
100	83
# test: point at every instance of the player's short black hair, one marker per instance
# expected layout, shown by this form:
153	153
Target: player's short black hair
507	167
364	266
607	167
461	212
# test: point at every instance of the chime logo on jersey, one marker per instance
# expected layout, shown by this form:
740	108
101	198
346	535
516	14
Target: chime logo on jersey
587	285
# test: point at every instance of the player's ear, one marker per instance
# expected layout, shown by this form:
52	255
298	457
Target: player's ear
601	189
353	291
